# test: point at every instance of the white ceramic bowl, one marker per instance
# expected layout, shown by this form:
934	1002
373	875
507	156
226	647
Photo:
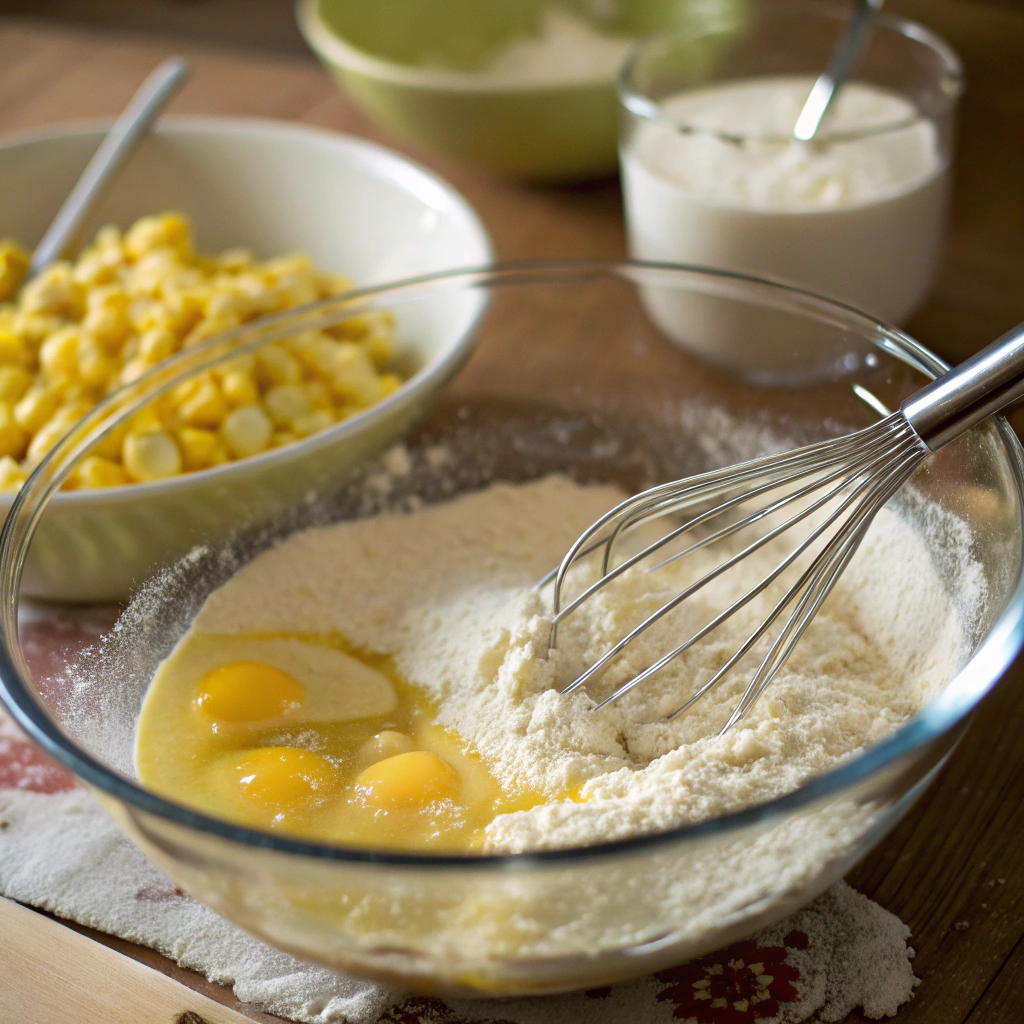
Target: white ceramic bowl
355	207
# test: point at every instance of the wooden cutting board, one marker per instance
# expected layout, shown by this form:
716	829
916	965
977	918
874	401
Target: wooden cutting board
50	974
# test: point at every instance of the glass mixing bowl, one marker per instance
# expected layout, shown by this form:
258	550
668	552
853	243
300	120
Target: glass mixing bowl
569	373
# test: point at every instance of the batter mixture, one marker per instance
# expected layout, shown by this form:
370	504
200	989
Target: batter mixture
387	682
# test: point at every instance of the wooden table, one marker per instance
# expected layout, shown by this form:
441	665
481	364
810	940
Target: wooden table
954	870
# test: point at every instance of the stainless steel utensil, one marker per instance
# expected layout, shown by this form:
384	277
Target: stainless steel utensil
831	80
835	487
124	135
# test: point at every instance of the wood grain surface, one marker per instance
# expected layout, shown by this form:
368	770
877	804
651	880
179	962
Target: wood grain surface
954	870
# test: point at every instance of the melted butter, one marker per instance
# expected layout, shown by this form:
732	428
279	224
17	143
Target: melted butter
354	785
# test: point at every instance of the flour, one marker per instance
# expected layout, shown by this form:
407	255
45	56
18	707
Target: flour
565	49
448	592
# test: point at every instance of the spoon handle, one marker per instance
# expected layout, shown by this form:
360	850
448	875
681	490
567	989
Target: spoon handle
831	80
124	134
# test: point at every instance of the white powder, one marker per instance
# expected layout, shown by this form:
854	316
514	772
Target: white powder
565	49
448	591
735	146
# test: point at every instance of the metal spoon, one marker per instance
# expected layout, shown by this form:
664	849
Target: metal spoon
844	56
124	135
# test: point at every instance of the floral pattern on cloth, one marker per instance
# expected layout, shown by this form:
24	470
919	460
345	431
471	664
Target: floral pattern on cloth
59	851
736	985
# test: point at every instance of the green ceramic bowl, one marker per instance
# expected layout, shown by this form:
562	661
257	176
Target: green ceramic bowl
392	56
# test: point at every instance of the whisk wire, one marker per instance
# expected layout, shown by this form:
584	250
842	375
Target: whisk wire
728	564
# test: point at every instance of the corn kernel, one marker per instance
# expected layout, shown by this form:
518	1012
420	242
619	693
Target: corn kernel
95	368
279	438
246	431
157	343
37	405
14	382
286	403
44	439
239	388
353	376
13	265
58	355
389	384
205	407
12	476
96	471
151	456
318	395
165	230
13	437
312	423
200	448
52	291
13	350
234	261
134	369
274	365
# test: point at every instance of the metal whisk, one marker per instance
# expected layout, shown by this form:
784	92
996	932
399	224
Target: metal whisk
834	487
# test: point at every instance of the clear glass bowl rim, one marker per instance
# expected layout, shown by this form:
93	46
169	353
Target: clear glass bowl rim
960	696
642	106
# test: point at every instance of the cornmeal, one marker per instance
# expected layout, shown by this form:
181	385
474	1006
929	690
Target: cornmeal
438	610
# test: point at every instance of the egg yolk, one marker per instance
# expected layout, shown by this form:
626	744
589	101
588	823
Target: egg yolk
413	780
248	691
285	778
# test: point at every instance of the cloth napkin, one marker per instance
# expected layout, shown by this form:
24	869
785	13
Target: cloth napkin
60	851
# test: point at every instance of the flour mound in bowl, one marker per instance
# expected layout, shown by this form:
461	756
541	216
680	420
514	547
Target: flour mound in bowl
448	592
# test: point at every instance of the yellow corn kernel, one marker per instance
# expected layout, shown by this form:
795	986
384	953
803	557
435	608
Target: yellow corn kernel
44	439
286	403
110	447
274	365
97	266
239	388
379	346
13	264
145	421
53	292
164	230
106	317
14	382
205	407
246	431
36	406
209	328
315	351
224	306
317	395
353	376
13	438
12	476
157	273
151	456
95	368
134	369
96	471
234	261
157	343
108	239
200	448
13	351
58	355
279	438
389	384
312	423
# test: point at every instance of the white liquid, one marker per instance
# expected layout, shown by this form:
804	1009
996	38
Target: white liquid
859	220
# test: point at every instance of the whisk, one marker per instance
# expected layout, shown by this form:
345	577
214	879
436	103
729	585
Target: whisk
834	487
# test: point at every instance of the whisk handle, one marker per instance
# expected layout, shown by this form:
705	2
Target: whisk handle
969	393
